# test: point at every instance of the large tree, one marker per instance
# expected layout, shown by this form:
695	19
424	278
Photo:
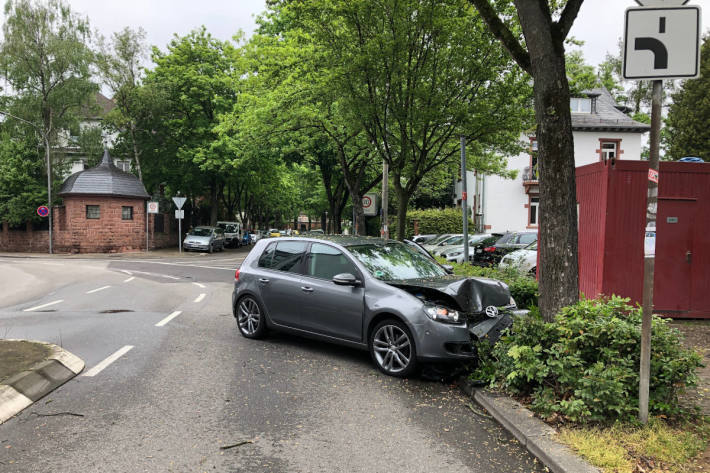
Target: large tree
120	64
545	29
687	132
416	75
46	62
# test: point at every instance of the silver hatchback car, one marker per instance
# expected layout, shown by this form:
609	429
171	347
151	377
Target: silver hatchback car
369	293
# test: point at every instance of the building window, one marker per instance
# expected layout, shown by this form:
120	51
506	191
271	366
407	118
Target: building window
93	212
127	213
580	105
123	165
609	149
534	211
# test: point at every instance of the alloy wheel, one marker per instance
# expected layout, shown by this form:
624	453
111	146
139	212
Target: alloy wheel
249	317
392	348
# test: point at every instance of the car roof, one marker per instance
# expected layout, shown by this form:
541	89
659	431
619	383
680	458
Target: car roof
342	240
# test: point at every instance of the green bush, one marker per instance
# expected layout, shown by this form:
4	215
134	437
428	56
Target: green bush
585	365
523	288
433	221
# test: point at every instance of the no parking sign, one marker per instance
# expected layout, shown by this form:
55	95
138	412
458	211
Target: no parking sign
43	211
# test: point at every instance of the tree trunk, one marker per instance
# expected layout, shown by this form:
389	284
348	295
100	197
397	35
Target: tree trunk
136	154
402	202
215	203
558	275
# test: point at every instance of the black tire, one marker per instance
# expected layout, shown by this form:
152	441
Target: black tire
393	355
250	317
533	272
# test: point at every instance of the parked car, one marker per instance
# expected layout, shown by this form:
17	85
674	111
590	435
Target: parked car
274	232
439	242
446	245
422	239
691	159
491	255
256	235
477	248
208	239
454	253
369	293
524	259
232	233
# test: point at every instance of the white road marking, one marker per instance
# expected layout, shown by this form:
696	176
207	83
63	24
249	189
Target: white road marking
101	366
97	289
236	264
129	279
127	272
43	305
200	297
199	285
168	318
156	275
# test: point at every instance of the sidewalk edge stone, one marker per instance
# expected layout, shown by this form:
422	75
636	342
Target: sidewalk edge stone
22	389
533	433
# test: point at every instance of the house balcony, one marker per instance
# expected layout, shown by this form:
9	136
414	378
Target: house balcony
530	180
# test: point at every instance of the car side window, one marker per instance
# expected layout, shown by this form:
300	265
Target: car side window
288	255
267	256
527	238
324	262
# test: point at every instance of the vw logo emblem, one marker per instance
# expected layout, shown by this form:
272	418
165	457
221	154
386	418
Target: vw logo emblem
492	311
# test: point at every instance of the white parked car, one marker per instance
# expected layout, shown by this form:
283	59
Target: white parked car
441	242
525	259
454	253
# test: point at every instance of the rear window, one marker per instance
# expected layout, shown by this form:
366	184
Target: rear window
267	256
505	238
527	238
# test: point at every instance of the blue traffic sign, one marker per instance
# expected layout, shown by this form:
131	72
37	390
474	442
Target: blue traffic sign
42	211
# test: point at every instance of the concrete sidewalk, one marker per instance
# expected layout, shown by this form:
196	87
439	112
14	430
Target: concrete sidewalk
162	253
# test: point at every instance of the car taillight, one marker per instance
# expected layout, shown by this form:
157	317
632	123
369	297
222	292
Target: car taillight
236	275
490	249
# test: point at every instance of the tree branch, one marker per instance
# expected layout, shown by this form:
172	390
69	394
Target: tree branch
569	14
504	35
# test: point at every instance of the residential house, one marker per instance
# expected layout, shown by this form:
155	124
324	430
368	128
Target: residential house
602	132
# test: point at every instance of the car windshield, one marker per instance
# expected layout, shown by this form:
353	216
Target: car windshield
456	240
201	231
227	227
438	239
532	246
477	239
396	261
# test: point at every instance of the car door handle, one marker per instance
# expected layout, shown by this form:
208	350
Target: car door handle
688	256
263	280
306	289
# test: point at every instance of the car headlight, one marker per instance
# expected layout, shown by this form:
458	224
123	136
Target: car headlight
441	314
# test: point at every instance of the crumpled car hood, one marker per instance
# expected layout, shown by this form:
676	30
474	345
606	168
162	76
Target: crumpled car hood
461	293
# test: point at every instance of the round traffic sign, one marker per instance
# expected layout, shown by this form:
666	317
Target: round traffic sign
366	202
43	211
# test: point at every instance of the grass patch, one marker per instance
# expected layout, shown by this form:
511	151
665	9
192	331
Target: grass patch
657	446
20	355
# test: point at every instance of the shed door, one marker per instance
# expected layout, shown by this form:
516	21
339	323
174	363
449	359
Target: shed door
674	255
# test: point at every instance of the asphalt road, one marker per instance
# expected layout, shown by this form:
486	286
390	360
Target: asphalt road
185	391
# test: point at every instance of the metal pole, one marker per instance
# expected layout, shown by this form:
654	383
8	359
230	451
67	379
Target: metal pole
385	196
49	193
146	226
649	258
464	199
180	234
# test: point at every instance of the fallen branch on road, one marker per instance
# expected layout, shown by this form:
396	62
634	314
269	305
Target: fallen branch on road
238	444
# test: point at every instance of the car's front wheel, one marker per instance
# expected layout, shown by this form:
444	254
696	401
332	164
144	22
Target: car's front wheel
392	348
250	318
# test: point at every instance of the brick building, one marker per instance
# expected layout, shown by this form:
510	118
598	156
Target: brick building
103	211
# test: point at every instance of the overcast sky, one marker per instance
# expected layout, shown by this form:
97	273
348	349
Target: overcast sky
599	24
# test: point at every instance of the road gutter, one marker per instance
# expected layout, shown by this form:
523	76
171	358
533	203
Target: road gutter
538	437
23	389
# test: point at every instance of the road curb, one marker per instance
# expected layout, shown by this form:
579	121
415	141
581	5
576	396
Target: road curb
21	390
538	437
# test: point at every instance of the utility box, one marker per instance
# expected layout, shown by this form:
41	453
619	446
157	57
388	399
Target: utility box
612	227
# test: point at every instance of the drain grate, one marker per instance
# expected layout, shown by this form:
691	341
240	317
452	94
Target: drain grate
114	311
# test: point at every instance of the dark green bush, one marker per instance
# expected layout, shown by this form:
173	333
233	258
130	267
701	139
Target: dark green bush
523	288
432	221
585	365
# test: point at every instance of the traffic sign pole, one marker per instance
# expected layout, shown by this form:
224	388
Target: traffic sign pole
649	261
464	200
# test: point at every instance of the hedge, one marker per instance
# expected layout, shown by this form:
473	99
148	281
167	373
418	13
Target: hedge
432	221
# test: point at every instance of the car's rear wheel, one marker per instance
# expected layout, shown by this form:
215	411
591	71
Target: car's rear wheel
250	318
392	348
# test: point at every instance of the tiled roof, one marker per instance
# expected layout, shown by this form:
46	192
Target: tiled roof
104	179
607	117
99	108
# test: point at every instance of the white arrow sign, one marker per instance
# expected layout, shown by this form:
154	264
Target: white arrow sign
179	201
662	43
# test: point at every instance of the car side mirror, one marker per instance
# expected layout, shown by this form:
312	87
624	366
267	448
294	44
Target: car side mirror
448	268
346	279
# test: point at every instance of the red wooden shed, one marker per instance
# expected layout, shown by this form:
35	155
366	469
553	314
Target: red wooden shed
612	221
